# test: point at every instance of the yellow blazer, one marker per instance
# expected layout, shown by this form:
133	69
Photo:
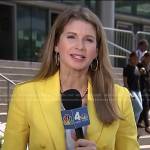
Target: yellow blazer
34	118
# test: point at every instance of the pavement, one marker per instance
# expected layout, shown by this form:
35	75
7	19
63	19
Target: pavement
144	139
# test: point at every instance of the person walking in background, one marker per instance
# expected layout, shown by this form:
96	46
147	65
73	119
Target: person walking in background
145	90
131	78
142	46
75	57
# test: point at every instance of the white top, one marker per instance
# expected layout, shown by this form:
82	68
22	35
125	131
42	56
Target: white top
69	134
70	143
140	54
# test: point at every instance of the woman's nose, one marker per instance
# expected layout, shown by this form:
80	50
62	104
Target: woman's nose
80	45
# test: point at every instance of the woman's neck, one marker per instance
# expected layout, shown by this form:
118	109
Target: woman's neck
72	79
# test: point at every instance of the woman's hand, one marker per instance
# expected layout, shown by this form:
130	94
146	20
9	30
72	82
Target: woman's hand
142	71
83	144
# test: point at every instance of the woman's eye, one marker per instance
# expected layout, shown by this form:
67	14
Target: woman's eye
90	40
70	37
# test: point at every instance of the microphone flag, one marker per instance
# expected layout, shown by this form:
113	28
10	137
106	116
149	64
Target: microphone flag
75	118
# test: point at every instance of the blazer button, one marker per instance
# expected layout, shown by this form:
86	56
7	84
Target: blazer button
42	146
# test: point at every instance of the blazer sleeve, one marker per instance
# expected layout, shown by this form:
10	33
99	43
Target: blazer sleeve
126	138
17	129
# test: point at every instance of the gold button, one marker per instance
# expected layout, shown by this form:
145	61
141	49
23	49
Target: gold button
43	146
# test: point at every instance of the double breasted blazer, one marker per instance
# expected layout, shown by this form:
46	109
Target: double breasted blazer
34	119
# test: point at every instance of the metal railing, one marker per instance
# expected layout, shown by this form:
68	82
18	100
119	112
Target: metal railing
121	43
8	81
118	59
124	38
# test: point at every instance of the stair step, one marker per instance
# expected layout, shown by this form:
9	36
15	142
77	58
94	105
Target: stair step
18	70
119	81
23	64
22	77
4	99
3	107
4	90
117	70
117	76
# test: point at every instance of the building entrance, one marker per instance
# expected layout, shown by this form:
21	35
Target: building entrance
6	32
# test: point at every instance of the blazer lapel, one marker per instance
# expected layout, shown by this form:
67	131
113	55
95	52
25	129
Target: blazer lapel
49	97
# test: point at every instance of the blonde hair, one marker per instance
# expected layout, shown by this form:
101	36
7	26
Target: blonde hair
102	81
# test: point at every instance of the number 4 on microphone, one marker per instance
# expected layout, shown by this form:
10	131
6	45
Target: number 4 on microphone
77	116
81	117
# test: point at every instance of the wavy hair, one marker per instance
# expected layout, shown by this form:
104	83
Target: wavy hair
102	80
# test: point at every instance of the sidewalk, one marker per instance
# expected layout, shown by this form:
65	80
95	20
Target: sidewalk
144	139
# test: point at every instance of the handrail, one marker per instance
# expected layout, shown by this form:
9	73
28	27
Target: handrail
117	56
10	81
142	32
119	30
123	49
124	37
8	87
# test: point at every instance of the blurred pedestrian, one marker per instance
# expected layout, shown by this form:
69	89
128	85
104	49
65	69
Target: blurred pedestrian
131	78
145	90
141	48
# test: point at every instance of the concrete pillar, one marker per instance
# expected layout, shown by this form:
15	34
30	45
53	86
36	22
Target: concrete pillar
106	12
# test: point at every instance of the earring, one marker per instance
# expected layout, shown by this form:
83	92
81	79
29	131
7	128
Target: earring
57	59
94	65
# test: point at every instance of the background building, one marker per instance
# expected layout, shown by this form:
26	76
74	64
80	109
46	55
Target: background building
132	15
24	25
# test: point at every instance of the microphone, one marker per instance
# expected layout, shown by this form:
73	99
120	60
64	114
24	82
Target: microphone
72	100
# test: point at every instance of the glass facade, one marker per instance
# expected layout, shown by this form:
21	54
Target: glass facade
33	25
32	28
33	22
88	3
134	8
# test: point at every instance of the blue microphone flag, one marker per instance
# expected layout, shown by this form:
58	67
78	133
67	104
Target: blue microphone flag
75	118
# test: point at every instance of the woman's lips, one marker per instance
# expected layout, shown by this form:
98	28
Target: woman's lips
77	56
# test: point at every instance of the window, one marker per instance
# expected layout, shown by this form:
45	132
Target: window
32	28
135	8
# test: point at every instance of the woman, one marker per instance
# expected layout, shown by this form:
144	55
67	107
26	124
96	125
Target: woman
131	78
145	87
75	57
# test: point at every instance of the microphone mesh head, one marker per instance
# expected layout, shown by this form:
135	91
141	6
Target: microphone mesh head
71	99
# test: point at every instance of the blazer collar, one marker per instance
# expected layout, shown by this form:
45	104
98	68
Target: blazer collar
50	100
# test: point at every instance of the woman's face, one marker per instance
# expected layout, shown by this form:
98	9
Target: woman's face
134	60
77	45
